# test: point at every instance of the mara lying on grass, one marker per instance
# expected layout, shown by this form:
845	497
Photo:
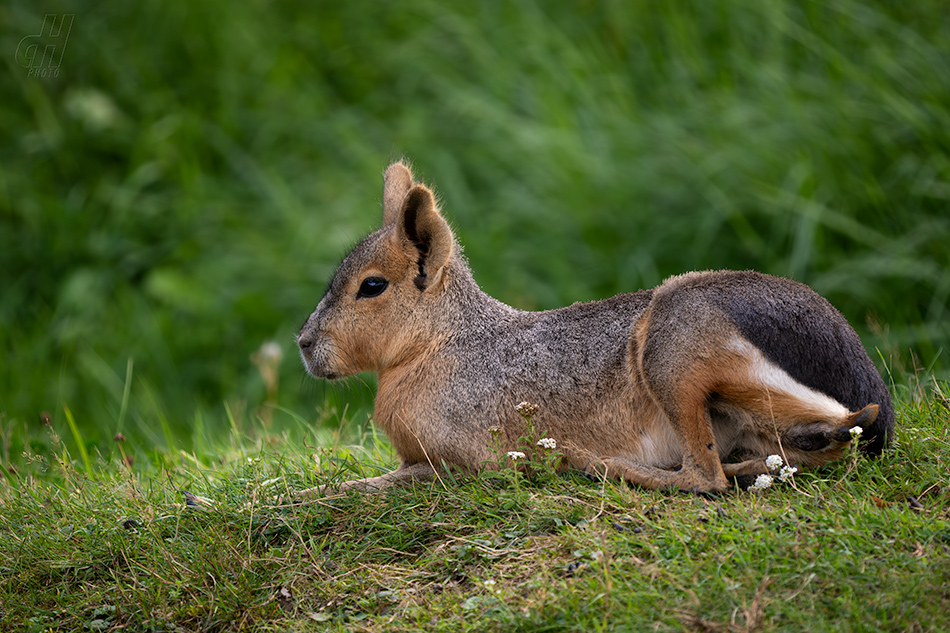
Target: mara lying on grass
657	387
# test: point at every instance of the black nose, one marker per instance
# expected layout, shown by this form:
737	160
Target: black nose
305	342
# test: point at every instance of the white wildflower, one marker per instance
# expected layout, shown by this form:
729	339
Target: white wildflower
761	483
773	462
271	353
856	432
515	455
548	443
527	409
786	473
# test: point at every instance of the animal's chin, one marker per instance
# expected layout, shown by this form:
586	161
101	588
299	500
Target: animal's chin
320	365
323	372
319	372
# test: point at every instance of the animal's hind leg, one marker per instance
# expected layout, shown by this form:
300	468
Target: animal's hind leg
807	444
681	381
817	443
799	430
688	363
685	407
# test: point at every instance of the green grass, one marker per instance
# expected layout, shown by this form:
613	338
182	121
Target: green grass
862	545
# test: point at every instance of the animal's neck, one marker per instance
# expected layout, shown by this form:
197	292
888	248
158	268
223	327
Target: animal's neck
466	302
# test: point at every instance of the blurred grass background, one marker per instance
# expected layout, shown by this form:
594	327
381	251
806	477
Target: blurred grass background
180	193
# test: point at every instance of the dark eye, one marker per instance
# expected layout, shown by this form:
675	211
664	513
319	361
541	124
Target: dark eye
371	287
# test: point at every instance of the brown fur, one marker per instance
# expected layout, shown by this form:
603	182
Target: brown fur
656	387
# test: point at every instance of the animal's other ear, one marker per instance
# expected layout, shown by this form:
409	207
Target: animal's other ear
424	235
396	184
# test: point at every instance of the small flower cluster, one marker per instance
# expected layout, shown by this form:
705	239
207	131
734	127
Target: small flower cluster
527	409
786	472
773	462
548	443
515	455
761	483
856	432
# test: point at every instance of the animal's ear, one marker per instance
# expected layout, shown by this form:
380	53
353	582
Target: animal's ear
424	235
396	184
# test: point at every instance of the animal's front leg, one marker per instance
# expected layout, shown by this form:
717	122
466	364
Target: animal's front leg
405	474
688	479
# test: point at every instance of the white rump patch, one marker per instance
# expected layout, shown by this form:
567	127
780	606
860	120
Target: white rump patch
777	380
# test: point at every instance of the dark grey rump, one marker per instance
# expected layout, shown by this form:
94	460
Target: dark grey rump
801	332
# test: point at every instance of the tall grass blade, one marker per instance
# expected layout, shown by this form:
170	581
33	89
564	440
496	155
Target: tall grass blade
77	437
126	391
